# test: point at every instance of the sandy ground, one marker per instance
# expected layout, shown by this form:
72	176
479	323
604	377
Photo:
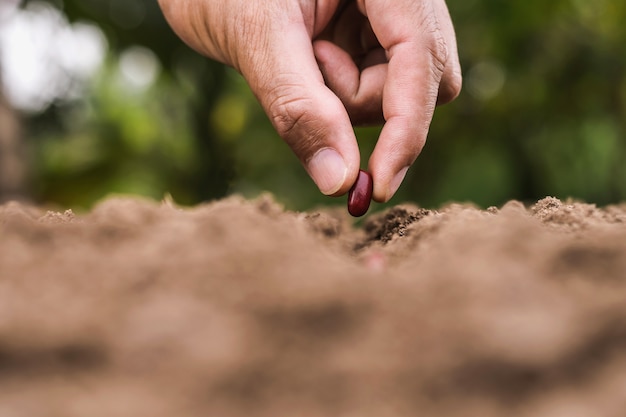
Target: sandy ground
239	308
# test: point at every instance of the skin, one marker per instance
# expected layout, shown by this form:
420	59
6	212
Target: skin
318	67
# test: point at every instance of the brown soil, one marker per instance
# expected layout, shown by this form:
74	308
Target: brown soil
240	308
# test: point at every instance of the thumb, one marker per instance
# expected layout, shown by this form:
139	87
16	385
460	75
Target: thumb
311	119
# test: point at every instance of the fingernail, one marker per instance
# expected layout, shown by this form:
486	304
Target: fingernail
396	181
328	170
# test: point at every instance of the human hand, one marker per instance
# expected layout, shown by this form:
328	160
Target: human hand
317	67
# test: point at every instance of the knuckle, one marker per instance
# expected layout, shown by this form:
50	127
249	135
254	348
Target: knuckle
438	51
434	40
444	69
286	110
291	114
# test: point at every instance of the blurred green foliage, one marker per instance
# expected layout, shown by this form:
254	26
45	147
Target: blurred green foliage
543	112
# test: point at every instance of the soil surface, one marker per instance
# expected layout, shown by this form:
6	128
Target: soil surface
240	308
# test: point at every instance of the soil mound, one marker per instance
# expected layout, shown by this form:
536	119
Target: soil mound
240	308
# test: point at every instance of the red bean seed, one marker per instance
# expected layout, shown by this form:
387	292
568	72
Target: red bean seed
360	194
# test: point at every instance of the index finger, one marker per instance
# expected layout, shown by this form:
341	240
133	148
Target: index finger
417	52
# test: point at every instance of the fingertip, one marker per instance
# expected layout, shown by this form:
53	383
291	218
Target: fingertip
390	161
395	183
380	193
381	179
352	172
329	170
336	176
386	186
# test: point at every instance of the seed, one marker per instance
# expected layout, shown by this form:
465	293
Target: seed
360	194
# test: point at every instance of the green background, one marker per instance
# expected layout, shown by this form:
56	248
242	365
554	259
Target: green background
542	112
